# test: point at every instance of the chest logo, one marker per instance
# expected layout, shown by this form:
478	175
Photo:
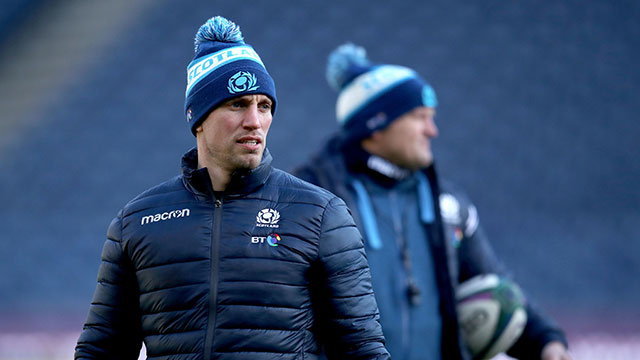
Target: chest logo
450	209
268	218
271	239
174	214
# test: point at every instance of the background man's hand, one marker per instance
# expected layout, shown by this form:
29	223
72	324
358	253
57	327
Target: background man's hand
555	350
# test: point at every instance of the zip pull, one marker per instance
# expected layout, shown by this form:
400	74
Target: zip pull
217	196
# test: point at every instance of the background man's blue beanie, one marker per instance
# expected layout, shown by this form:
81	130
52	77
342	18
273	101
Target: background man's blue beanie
372	96
223	67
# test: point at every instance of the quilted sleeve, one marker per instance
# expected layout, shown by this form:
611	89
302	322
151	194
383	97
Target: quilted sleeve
112	329
348	307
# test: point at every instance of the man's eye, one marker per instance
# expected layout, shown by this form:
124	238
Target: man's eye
266	106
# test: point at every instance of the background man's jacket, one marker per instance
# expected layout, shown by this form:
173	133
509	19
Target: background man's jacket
460	251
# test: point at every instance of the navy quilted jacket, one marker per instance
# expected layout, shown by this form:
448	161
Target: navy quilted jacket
266	270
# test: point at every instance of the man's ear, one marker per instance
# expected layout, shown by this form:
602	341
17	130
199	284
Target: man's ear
199	128
370	143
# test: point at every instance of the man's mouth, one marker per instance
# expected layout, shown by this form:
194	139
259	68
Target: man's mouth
249	142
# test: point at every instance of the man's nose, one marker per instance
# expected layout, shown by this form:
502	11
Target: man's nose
431	128
251	117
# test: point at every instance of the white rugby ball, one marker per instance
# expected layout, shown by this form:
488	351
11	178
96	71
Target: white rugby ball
491	313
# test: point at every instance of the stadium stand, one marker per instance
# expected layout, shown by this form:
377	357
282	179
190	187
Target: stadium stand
537	121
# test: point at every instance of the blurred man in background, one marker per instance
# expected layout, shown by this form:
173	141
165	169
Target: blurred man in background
233	258
422	234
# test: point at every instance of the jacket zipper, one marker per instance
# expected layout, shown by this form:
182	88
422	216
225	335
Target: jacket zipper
213	286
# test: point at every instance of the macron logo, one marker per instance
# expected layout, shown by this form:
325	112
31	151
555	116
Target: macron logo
174	214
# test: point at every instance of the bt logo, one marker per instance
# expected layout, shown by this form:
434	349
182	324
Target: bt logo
271	239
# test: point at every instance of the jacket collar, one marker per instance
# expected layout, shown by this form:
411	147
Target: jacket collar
242	182
382	171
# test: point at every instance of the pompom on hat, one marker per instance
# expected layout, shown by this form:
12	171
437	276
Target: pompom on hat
223	67
372	96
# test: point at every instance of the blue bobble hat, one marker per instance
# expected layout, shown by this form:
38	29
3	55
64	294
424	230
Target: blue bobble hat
372	96
223	67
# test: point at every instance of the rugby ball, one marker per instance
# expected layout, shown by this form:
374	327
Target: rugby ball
491	314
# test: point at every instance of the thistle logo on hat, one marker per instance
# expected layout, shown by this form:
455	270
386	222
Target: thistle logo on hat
372	96
242	81
223	67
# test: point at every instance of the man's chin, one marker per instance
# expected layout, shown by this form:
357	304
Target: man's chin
249	161
421	163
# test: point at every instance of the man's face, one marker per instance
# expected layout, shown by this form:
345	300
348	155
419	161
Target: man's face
234	135
407	141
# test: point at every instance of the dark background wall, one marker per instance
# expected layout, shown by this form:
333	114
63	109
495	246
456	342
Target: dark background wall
538	119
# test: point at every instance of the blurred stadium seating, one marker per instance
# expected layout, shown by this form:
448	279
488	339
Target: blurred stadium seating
14	12
538	121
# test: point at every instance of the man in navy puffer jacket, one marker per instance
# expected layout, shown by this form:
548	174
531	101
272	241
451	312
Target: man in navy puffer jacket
233	259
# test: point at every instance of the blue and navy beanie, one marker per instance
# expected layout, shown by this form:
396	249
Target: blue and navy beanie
372	96
223	67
